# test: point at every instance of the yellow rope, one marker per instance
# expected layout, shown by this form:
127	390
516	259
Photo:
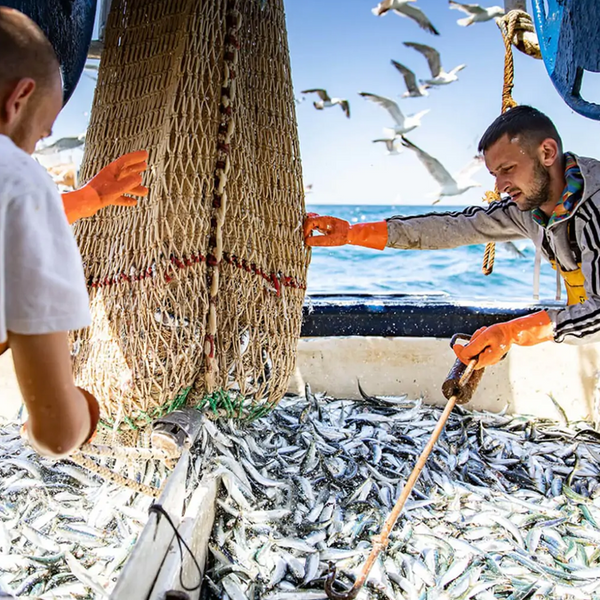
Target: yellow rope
513	26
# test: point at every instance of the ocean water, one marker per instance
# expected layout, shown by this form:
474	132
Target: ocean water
455	272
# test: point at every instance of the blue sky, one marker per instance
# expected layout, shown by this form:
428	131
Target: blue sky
343	47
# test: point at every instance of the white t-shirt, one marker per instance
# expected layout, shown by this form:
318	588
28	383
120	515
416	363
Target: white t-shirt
42	285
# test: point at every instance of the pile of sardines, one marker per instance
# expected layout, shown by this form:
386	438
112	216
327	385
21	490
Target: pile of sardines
508	506
64	533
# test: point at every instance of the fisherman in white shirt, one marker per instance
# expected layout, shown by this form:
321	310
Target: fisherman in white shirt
43	292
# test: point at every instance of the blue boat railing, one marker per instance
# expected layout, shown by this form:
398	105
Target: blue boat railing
405	315
569	36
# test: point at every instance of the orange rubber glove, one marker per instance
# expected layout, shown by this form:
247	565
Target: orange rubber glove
337	232
490	344
94	409
122	176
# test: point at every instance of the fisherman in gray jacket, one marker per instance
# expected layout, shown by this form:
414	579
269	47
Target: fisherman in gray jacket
553	199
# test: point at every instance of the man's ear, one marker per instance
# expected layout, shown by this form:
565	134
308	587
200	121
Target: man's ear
17	99
548	152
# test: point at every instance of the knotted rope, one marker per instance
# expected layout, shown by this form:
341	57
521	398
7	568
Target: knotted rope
514	27
131	456
110	475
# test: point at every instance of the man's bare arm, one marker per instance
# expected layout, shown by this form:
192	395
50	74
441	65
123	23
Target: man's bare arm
59	416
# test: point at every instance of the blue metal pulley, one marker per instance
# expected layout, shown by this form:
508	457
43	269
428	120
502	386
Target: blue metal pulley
68	24
569	36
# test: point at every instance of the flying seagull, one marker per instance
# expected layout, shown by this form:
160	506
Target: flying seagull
449	185
477	14
392	145
326	102
62	144
438	75
413	90
403	8
512	249
402	124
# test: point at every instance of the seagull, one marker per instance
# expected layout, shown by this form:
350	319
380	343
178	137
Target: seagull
393	148
512	249
326	101
414	90
62	144
439	76
402	8
403	124
449	186
477	14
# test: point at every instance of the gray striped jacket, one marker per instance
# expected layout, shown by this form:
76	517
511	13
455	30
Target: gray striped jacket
503	221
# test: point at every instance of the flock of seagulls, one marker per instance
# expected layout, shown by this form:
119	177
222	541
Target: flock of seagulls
395	140
405	8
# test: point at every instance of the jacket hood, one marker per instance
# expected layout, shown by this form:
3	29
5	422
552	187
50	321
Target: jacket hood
590	169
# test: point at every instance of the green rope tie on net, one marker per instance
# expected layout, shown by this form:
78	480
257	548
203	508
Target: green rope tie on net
260	411
220	402
149	417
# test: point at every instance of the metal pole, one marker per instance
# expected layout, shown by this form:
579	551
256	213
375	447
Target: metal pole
104	10
515	5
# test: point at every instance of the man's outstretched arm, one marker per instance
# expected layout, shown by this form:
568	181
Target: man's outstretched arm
500	222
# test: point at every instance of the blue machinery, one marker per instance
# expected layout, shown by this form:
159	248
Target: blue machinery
569	36
68	24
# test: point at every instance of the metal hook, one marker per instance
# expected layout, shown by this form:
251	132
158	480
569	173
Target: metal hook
350	594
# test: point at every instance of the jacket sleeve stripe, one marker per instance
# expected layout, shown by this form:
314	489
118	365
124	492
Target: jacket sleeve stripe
593	227
504	205
571	324
589	330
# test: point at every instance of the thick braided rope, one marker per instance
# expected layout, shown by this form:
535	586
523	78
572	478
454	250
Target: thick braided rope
507	25
521	24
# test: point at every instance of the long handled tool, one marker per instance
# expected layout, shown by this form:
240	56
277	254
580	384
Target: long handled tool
458	388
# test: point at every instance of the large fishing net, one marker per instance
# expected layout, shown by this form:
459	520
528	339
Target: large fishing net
196	294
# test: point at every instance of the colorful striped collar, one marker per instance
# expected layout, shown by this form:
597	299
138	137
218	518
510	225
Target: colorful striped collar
570	198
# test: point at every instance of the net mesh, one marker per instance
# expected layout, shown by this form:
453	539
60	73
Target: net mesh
199	288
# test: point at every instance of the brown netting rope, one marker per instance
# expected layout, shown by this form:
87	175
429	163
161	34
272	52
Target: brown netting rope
514	27
196	294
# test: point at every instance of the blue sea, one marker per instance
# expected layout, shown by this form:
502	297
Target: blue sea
455	272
